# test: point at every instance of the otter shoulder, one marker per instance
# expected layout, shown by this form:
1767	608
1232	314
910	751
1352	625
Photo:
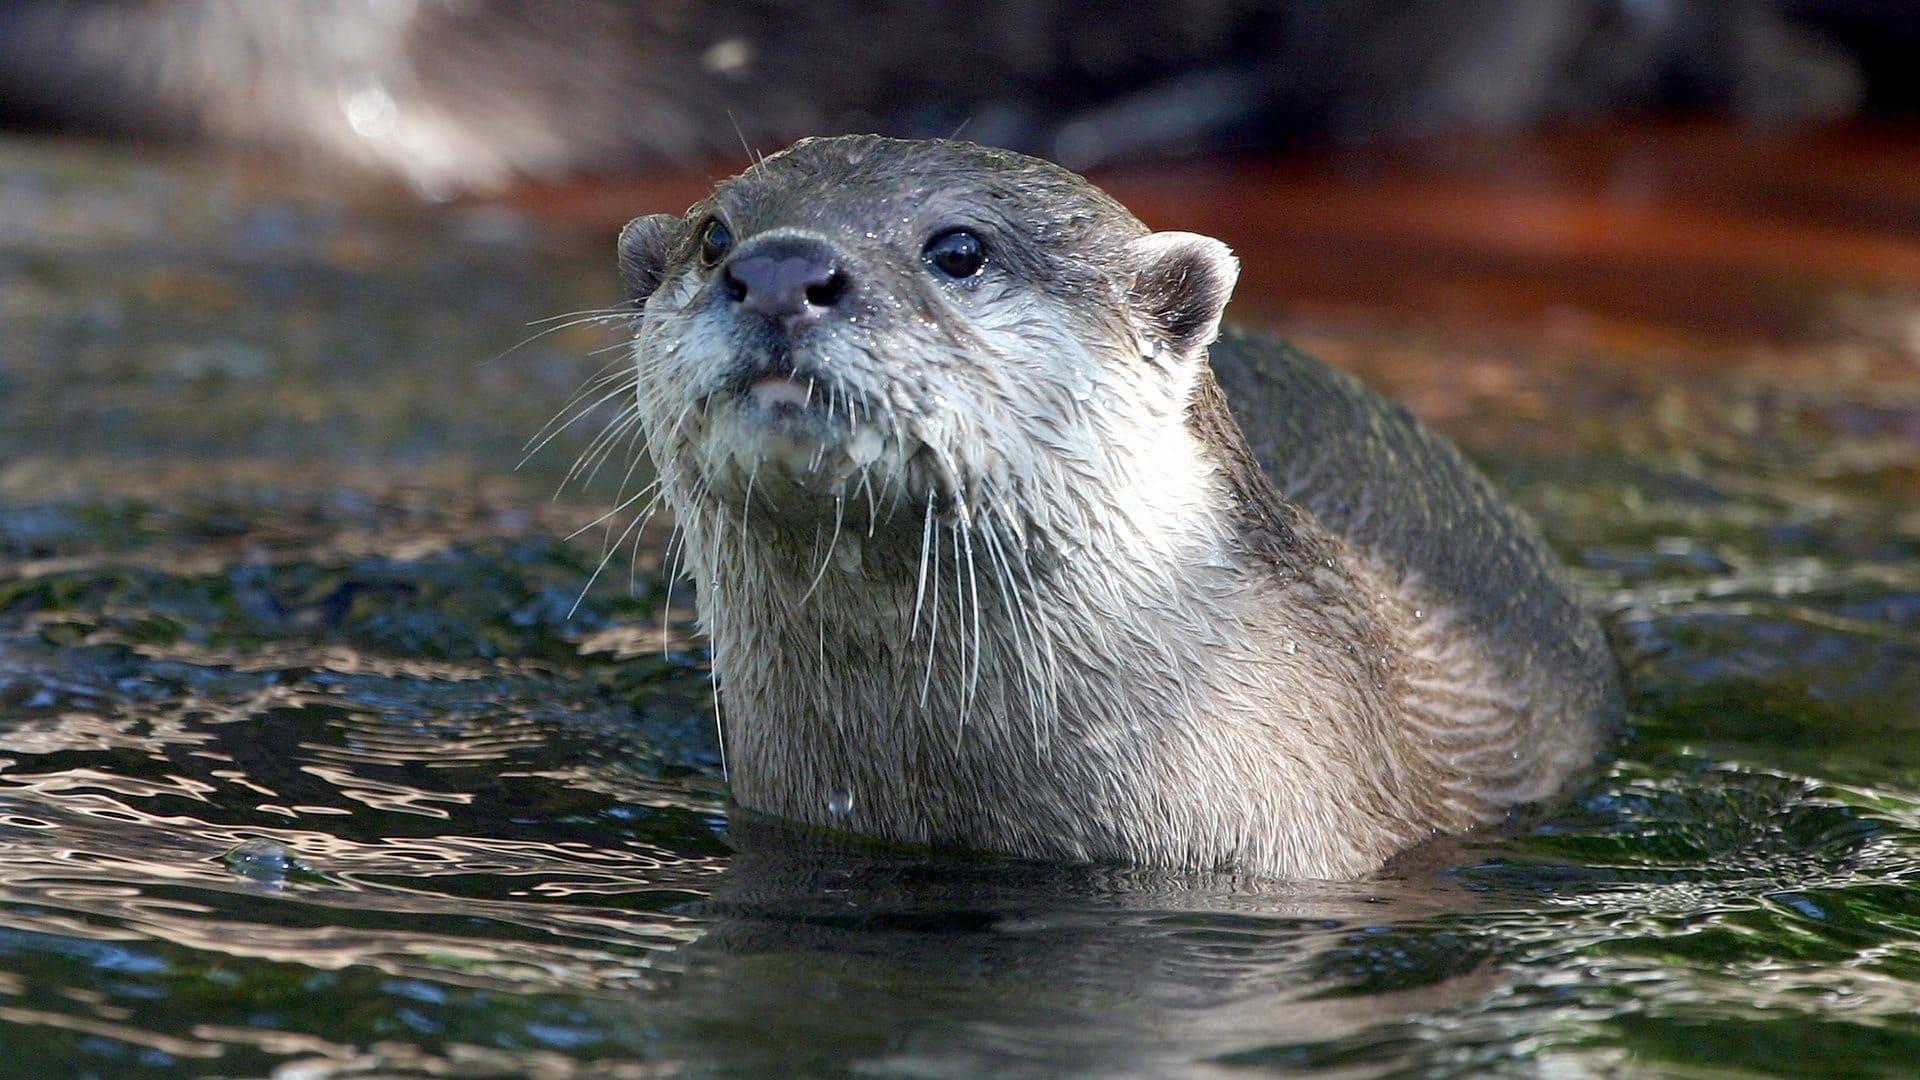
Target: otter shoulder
1410	502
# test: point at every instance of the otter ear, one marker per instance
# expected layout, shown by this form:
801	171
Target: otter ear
644	246
1181	284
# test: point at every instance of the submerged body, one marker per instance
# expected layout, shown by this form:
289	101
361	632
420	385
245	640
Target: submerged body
1001	546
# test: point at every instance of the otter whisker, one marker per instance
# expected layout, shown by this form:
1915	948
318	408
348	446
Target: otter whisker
582	311
637	496
619	346
746	503
611	550
963	545
662	496
633	556
618	371
629	419
820	652
920	588
947	475
839	515
602	446
661	488
536	447
635	456
719	726
672	560
590	316
873	506
894	485
1031	595
752	154
1039	674
933	628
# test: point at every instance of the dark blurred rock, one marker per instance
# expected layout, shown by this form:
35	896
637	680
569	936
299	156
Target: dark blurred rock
468	95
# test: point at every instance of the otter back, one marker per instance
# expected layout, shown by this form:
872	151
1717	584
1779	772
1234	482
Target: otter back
1373	475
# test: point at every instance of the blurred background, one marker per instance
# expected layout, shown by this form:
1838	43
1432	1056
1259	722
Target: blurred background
469	95
340	734
1682	172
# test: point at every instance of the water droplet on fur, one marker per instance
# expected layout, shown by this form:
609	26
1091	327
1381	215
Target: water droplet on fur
839	802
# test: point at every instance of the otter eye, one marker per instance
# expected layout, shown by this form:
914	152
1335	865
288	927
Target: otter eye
956	253
715	241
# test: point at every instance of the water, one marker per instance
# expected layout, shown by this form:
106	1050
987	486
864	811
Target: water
306	771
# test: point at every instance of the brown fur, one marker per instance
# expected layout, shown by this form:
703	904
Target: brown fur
1062	577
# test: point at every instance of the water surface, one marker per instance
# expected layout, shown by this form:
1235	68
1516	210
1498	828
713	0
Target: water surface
318	756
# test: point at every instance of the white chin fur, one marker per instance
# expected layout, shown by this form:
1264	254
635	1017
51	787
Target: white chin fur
766	439
778	390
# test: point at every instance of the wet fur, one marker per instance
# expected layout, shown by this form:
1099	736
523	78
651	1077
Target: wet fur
1043	596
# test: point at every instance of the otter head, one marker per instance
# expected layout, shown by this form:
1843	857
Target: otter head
862	326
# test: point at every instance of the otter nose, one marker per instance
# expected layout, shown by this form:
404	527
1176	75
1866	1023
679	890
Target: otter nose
790	279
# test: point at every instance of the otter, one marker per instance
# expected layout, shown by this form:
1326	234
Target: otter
1001	544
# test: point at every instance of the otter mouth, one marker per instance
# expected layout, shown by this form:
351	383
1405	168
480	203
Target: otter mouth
806	448
781	395
782	413
772	384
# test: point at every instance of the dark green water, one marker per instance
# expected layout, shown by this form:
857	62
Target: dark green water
306	771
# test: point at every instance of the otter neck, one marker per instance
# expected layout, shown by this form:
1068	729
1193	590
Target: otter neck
973	665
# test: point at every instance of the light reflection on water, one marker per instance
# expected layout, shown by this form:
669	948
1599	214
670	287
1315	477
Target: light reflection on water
370	863
314	772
